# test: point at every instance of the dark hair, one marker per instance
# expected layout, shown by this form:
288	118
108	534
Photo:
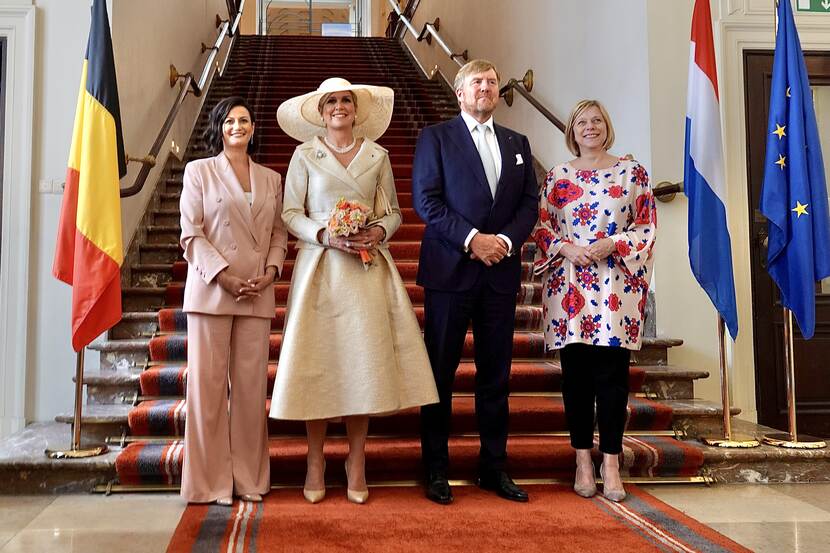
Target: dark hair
213	133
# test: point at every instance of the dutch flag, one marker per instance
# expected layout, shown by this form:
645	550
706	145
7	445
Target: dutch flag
710	250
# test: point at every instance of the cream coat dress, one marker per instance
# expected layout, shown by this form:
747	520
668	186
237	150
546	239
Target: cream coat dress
351	343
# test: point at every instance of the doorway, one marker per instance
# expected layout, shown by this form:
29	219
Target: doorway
312	17
811	356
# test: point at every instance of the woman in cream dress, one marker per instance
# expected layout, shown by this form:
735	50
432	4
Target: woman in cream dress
351	346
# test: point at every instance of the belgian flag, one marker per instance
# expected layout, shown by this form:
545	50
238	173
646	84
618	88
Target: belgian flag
89	252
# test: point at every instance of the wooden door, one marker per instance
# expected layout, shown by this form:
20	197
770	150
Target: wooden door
812	357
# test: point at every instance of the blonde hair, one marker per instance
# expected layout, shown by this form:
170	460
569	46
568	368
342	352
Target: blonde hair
471	68
325	97
581	106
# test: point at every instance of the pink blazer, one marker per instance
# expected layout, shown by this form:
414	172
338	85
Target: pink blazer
220	229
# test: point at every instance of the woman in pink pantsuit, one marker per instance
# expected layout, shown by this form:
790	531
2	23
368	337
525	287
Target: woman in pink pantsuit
234	242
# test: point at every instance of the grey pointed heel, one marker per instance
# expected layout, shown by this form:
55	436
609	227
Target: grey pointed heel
586	490
611	494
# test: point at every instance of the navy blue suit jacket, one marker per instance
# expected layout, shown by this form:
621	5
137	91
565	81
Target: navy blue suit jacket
451	195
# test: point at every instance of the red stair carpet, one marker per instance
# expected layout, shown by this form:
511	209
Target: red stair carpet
401	520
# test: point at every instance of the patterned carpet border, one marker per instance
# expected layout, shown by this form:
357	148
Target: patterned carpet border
401	519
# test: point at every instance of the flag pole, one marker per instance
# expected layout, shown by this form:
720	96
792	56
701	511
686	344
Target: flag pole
75	451
791	439
729	439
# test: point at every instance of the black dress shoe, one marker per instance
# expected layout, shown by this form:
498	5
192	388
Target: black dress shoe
438	488
498	481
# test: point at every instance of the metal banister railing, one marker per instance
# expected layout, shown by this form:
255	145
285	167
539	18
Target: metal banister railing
189	84
523	86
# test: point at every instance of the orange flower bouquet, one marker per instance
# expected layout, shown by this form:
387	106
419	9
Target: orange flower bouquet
348	218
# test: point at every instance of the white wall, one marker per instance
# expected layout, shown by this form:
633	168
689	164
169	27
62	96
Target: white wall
147	37
683	309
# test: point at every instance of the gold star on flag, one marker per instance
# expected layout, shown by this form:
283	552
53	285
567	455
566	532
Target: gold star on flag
779	130
788	92
782	161
800	208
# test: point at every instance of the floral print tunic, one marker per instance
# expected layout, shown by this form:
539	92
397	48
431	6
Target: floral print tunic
603	303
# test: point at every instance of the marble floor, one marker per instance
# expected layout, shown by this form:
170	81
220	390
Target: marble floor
765	518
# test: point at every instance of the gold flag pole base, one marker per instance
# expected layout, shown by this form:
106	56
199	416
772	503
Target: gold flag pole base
792	439
80	453
734	441
75	451
728	439
785	440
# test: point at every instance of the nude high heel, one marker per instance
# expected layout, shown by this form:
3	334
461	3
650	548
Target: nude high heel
315	496
355	496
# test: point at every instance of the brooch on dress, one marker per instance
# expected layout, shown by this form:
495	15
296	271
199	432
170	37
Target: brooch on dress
321	154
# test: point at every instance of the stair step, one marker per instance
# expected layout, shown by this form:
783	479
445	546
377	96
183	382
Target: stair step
161	234
166	273
174	320
525	377
173	216
652	348
395	459
173	294
528	414
170	252
170	200
173	347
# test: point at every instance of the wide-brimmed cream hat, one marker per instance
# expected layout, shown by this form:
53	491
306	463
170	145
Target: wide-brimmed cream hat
298	117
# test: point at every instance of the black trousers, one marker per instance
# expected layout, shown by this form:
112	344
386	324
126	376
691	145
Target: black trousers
595	374
447	316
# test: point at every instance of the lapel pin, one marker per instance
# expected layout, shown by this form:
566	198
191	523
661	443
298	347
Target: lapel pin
321	154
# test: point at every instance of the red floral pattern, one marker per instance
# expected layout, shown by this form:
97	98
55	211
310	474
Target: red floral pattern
573	302
615	191
563	193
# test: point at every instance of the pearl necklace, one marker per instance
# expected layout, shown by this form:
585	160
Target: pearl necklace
338	149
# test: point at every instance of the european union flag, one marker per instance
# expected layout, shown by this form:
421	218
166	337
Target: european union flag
794	196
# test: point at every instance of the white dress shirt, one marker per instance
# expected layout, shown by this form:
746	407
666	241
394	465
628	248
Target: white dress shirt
493	144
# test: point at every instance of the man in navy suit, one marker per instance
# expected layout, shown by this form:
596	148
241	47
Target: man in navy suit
474	186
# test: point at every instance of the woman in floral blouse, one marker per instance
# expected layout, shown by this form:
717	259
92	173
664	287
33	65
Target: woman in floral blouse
595	254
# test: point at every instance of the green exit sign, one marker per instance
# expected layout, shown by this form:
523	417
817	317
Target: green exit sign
821	6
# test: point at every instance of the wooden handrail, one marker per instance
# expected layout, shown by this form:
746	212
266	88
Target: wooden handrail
189	84
524	87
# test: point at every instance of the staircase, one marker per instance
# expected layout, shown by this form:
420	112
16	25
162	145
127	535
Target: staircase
138	397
